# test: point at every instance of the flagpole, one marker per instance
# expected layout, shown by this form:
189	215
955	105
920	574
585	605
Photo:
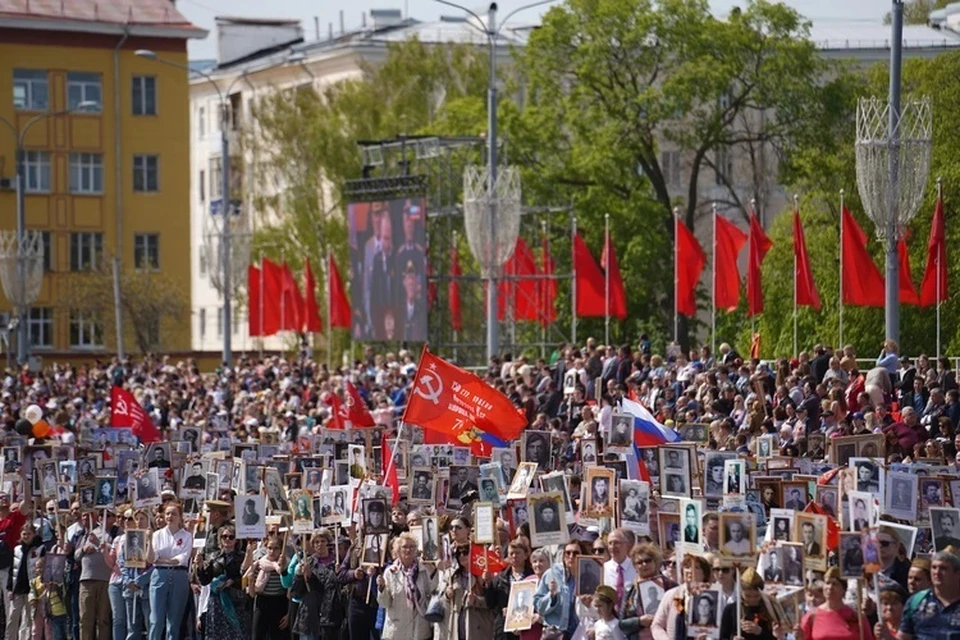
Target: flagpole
796	209
842	192
456	338
713	305
283	298
676	275
750	243
329	312
606	279
573	294
544	293
939	253
263	333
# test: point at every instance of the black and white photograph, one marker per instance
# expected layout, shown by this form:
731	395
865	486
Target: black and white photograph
557	481
520	611
691	519
86	470
931	492
674	459
293	482
521	481
463	481
135	548
303	517
770	566
651	460
147	488
651	593
498	472
589	574
695	432
791	557
780	528
597	492
517	513
869	475
54	568
901	495
668	528
734	477
158	455
490	491
860	512
769	492
429	539
738	536
588	451
422	485
224	469
850	554
376	516
335	505
68	471
11	459
63	497
507	457
106	491
88	497
635	506
945	527
48	479
374	548
313	479
276	492
251	517
704	612
535	446
193	482
794	495
548	523
191	435
212	491
621	430
829	498
766	446
713	472
811	532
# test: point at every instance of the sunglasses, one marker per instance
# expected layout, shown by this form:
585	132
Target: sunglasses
228	537
599	549
457	526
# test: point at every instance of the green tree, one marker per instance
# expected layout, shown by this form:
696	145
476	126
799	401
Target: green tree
918	11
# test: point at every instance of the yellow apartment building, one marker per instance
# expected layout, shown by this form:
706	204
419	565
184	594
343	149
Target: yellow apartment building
106	145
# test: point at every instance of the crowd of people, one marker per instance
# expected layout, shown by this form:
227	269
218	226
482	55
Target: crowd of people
811	497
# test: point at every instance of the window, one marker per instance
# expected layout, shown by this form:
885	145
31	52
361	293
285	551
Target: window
86	250
203	185
723	166
146	173
47	251
203	323
31	90
670	166
146	251
86	173
219	322
151	331
202	122
84	87
36	166
144	95
40	326
85	332
216	178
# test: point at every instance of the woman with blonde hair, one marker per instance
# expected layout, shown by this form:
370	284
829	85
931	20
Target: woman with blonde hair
405	588
635	621
670	620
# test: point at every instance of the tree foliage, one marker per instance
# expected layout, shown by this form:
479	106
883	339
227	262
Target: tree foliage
918	11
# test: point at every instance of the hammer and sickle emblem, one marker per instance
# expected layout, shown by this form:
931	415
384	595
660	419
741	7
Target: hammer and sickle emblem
122	406
426	390
349	401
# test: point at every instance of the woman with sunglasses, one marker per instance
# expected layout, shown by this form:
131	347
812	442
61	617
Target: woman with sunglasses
169	553
270	598
315	585
638	608
460	531
833	620
455	585
227	611
670	620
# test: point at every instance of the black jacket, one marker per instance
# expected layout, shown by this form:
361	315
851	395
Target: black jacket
321	605
497	594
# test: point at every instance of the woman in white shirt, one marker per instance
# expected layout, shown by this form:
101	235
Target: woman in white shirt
169	584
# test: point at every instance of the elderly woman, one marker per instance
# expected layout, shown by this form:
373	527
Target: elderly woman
497	587
315	585
638	608
464	599
540	562
405	588
892	599
670	620
833	620
762	618
227	610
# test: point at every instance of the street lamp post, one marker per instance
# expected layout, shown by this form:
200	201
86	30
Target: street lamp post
225	235
23	336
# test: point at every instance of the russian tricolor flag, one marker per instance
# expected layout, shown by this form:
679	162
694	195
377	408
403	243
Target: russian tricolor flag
647	432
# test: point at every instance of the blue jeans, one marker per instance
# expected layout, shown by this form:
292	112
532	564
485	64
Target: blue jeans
138	614
169	590
59	626
115	593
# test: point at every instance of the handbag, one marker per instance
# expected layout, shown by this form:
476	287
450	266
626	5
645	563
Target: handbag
436	610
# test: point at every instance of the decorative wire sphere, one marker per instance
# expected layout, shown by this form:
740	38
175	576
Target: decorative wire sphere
491	249
892	172
29	254
240	244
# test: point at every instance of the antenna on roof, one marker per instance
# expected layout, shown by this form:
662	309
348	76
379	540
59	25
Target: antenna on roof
363	20
342	30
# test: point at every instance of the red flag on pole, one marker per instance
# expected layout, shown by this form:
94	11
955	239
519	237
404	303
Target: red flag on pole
908	293
728	242
485	560
291	301
272	295
518	288
548	286
357	412
618	293
862	282
390	470
126	412
340	312
690	262
338	413
936	270
453	401
312	320
760	244
453	291
431	287
589	281
807	295
254	320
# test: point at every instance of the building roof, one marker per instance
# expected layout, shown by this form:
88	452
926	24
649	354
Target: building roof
151	18
839	35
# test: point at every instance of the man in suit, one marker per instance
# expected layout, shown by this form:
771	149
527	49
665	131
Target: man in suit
411	250
381	278
773	572
795	502
412	310
691	532
860	521
421	487
811	547
461	485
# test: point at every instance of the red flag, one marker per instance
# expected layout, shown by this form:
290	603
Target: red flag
690	262
126	412
291	301
908	293
589	281
618	294
357	412
254	320
806	289
431	287
453	291
389	466
340	312
862	282
447	399
728	242
936	261
518	288
485	560
338	413
272	293
548	286
760	244
311	322
642	468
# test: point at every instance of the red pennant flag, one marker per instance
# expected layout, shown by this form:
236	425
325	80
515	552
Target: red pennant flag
338	413
254	319
908	293
690	262
548	287
431	287
453	401
862	282
126	412
357	412
760	244
484	560
727	245
618	293
312	321
806	289
936	261
589	281
340	312
518	288
453	291
390	470
272	294
291	301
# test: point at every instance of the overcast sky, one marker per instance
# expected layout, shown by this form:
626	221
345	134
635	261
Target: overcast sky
202	12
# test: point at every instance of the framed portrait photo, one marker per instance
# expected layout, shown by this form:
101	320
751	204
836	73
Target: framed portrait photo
548	523
861	513
932	493
794	495
635	506
734	477
850	554
557	481
535	446
521	481
738	537
598	499
429	539
135	548
901	495
375	516
651	593
374	549
621	430
704	613
713	468
791	558
668	528
945	527
691	518
589	574
422	486
811	532
829	498
520	611
780	528
463	481
251	519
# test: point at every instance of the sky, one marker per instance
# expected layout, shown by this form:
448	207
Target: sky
203	12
